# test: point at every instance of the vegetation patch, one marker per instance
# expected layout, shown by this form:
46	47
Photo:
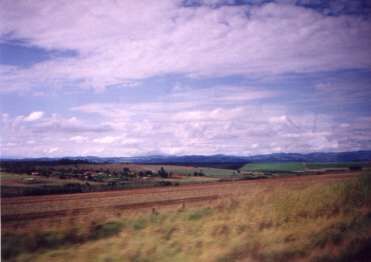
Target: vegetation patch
302	166
198	214
106	230
282	166
15	244
316	222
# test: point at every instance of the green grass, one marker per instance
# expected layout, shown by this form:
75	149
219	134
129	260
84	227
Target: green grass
334	165
298	166
21	179
184	170
4	175
192	179
218	172
288	166
320	222
23	184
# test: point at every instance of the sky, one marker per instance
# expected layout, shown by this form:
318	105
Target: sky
235	77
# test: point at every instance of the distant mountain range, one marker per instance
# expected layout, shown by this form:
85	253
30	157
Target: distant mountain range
215	160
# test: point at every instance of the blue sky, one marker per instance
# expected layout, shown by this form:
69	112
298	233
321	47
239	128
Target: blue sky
130	78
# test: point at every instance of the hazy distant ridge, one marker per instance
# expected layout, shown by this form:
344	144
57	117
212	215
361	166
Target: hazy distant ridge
201	159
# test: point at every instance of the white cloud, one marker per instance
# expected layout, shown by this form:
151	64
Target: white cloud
52	150
210	129
60	124
34	116
78	139
278	119
106	140
254	146
116	45
219	94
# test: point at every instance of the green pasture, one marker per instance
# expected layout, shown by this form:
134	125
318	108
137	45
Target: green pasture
299	166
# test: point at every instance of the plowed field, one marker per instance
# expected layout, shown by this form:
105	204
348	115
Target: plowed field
38	207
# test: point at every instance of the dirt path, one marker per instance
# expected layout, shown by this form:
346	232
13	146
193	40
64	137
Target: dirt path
35	207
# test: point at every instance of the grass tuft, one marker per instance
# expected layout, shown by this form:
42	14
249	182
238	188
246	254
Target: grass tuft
198	214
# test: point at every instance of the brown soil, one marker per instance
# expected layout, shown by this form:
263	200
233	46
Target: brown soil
35	207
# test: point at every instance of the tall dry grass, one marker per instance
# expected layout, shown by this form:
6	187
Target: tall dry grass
328	222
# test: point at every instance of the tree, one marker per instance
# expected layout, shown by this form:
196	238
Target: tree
126	171
162	173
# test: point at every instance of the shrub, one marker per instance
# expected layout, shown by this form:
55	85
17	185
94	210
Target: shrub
106	230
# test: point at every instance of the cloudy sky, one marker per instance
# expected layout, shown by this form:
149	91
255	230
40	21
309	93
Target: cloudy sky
242	77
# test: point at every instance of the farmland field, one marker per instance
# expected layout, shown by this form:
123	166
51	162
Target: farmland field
33	178
299	166
305	217
290	166
9	179
20	208
189	170
334	165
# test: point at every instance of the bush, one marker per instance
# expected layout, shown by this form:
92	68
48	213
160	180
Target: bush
106	230
162	173
13	244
